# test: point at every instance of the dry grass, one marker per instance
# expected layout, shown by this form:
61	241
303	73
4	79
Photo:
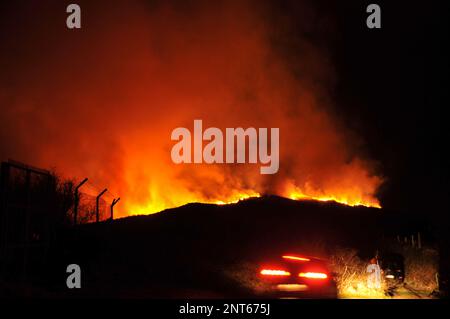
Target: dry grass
351	276
421	268
244	275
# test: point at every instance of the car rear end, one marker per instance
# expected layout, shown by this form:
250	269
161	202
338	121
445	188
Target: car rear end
295	276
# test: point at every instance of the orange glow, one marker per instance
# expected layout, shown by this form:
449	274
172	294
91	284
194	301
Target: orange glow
296	258
292	287
182	198
351	196
211	60
272	272
313	275
237	198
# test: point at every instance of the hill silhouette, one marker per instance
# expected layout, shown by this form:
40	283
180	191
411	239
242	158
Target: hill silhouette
187	248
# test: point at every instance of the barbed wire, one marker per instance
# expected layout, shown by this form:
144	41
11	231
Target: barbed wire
87	202
92	189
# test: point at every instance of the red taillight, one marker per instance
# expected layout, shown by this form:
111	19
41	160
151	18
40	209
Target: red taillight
313	275
296	258
274	272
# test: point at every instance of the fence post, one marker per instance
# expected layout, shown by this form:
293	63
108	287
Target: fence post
77	200
97	200
114	202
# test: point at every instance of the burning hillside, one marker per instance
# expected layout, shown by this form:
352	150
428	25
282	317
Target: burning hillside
135	72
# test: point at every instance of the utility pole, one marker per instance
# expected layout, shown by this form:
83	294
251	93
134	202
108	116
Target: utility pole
97	200
114	202
77	201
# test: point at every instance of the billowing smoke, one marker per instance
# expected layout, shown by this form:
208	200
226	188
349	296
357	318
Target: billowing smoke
101	102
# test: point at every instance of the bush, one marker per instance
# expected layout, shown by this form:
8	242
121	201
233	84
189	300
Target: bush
421	268
351	276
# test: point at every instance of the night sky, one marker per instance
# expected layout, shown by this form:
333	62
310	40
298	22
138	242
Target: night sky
393	91
399	74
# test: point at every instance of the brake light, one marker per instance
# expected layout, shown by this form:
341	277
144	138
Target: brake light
313	275
274	272
296	258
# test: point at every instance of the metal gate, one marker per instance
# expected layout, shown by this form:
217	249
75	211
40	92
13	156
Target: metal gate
25	219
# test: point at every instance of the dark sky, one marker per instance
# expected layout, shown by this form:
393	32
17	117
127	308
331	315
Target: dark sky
393	91
391	88
399	74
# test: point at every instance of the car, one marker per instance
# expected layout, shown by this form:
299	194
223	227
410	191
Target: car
296	276
393	266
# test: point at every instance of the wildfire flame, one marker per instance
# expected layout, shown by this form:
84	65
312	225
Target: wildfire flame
345	197
229	63
237	198
342	199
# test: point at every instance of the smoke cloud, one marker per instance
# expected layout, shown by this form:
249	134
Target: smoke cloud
101	102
